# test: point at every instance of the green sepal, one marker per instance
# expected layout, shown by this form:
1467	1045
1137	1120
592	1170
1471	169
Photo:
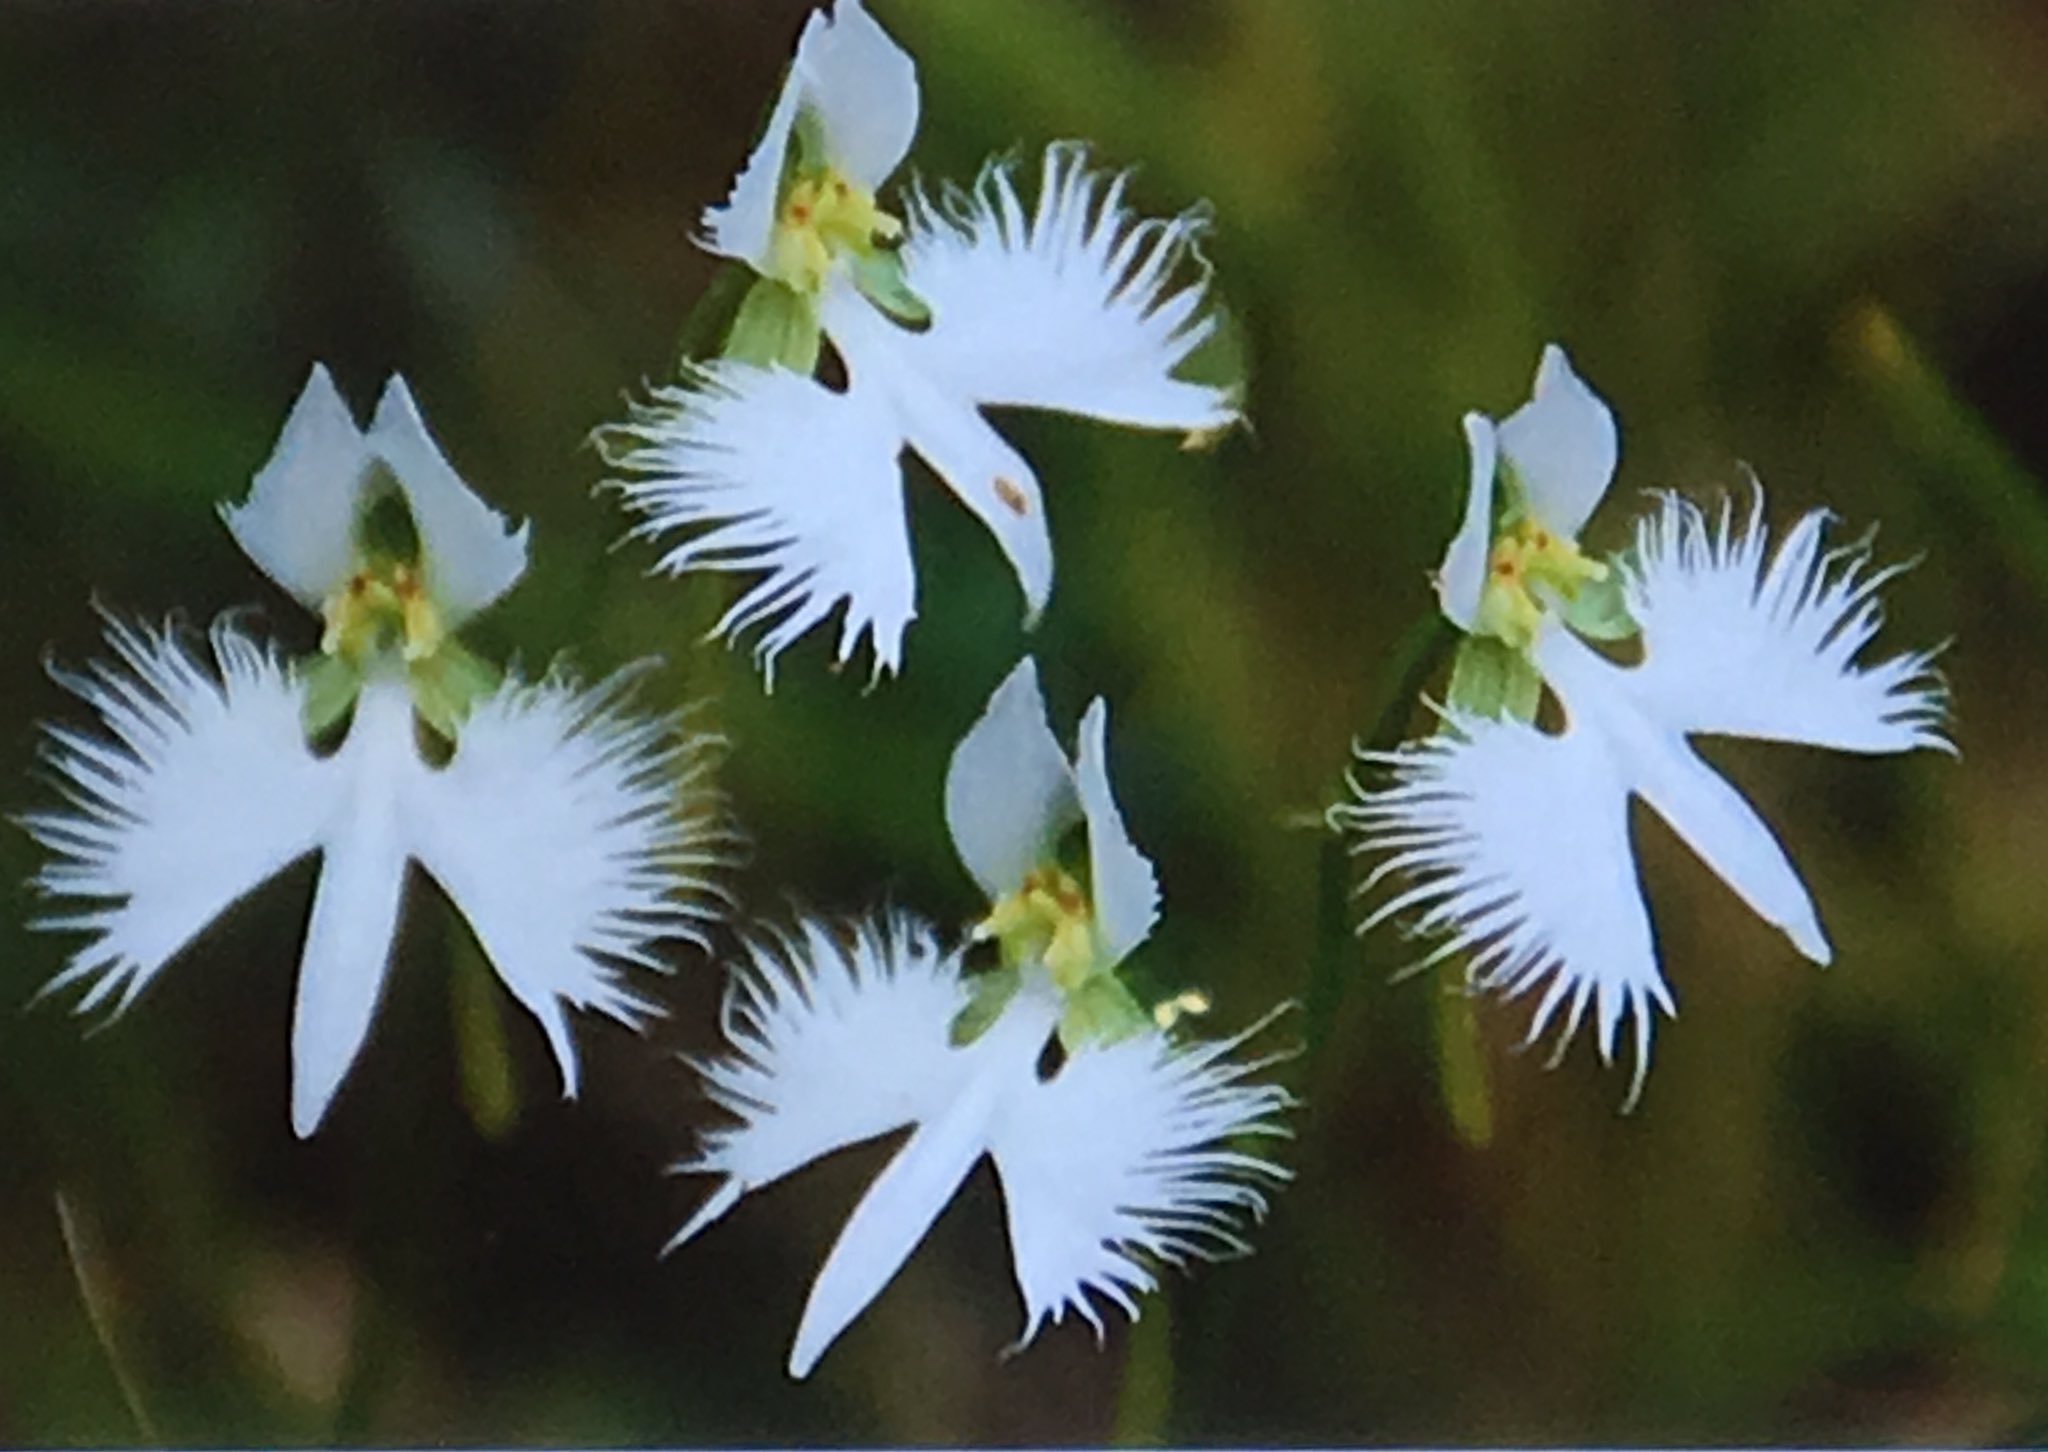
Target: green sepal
328	687
711	321
448	683
775	324
1598	610
878	273
1491	678
1101	1011
384	528
990	995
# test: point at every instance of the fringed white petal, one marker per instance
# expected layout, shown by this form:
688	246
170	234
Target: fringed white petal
1562	444
1123	888
299	519
469	553
204	791
1009	790
862	88
834	1041
1735	647
942	422
1514	849
1461	578
1074	304
1129	1157
1708	814
363	862
773	473
574	835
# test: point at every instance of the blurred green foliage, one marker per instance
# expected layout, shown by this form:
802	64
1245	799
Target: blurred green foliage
1809	238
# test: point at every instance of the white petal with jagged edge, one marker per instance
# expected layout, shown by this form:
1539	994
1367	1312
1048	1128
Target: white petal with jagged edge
1461	578
469	554
298	523
1128	1158
1010	793
1733	646
834	1040
1073	304
574	836
354	921
1514	849
1124	890
861	87
203	791
1657	764
1562	444
773	473
945	426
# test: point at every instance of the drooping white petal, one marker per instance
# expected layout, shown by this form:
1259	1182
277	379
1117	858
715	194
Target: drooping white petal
355	907
1124	890
943	423
1562	444
1075	305
834	1041
573	836
469	554
1126	1158
775	473
862	86
862	89
1514	848
1654	759
1461	579
205	790
298	522
1735	647
1009	790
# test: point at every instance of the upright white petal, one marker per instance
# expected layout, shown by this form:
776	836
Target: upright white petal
1514	845
204	791
1733	647
1461	579
861	86
1009	790
1563	445
1700	807
355	907
834	1041
1124	890
573	836
1075	305
944	424
298	523
772	472
469	553
1127	1158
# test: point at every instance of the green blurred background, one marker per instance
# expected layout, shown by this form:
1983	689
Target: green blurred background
1807	237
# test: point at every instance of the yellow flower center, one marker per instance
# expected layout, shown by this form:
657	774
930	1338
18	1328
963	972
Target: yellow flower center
1049	918
381	606
822	215
1528	562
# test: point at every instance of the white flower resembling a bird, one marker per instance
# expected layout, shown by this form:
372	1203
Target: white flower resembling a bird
1515	841
1122	1158
569	832
1068	302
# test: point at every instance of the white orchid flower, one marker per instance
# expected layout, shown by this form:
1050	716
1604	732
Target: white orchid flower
1069	303
1515	841
565	828
1121	1158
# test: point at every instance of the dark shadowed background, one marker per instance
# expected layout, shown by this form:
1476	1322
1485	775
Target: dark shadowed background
1810	238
